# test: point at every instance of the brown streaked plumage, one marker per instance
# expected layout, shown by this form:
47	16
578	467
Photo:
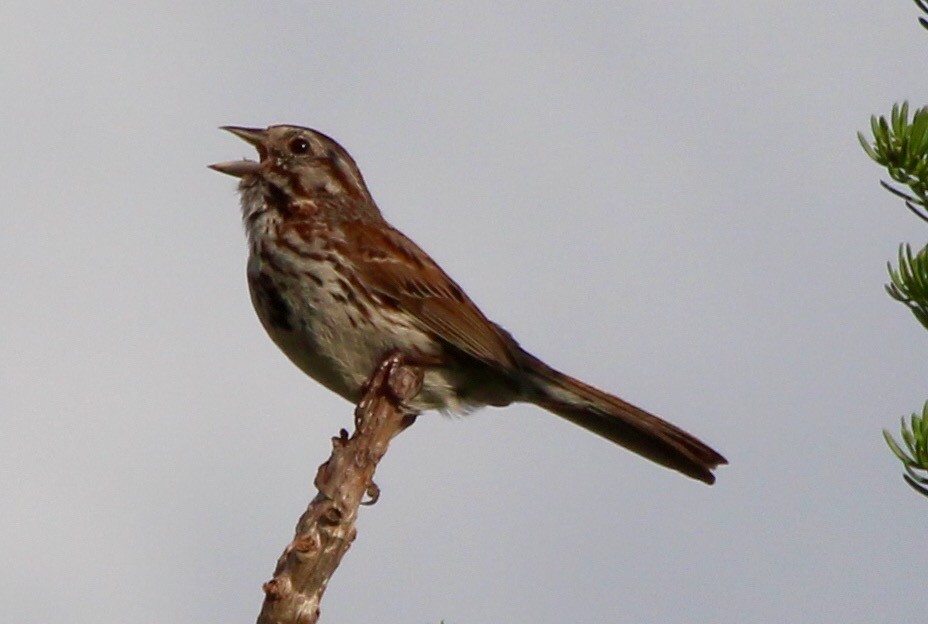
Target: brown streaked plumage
338	288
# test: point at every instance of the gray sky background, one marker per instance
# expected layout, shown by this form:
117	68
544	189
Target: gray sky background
667	200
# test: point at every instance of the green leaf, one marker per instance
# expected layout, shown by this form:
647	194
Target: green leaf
909	282
902	148
915	461
864	144
898	452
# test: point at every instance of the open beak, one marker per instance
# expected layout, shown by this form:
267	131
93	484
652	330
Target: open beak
237	168
252	136
244	167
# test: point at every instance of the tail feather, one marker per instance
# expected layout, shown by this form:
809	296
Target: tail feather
623	423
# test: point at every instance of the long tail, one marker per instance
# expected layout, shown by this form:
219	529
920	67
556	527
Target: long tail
621	422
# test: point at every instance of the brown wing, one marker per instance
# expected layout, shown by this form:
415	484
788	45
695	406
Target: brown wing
393	266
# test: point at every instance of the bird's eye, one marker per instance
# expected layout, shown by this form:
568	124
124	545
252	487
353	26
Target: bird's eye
299	146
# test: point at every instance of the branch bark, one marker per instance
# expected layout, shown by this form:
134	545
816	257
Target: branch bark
326	529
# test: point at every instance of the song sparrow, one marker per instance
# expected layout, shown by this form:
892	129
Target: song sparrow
337	289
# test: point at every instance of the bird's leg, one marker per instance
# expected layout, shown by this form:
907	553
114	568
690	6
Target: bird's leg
397	376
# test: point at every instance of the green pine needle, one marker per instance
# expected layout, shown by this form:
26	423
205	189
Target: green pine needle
902	147
914	456
909	283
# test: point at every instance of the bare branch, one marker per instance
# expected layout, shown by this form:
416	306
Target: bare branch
326	529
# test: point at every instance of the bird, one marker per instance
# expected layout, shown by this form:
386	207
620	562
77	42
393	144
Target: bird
337	288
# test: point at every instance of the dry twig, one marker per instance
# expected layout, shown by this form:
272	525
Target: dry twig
327	527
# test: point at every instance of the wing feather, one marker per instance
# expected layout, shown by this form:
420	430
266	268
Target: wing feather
393	266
